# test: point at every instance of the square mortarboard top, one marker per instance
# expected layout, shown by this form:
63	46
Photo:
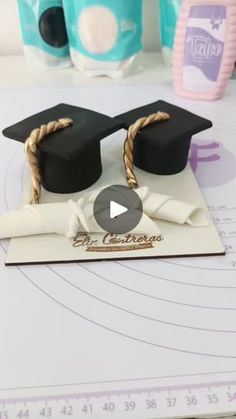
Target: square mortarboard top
69	159
162	148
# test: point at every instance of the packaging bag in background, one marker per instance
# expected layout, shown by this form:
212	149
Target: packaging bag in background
169	14
105	36
44	33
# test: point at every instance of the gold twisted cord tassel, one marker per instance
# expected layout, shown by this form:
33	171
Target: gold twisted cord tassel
129	144
31	146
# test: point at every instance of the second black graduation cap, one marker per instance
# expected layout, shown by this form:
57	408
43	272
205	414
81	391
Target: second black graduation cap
162	148
69	159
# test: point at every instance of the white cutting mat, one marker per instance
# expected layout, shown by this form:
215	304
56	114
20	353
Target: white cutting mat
104	332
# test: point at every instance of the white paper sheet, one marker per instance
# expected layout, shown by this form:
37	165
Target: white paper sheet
117	325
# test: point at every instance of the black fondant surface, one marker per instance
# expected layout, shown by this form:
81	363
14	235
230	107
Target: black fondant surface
70	159
163	147
64	177
88	128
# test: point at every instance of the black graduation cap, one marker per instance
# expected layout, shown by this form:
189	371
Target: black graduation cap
162	148
69	159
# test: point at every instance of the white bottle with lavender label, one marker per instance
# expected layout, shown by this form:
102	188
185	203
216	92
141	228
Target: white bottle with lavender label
205	48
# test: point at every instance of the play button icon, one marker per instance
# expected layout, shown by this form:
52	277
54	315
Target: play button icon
118	209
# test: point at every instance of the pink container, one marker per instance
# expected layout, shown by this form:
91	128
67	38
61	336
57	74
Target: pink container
204	48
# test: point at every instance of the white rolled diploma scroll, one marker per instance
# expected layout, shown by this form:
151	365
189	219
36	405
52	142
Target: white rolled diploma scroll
70	218
167	208
66	219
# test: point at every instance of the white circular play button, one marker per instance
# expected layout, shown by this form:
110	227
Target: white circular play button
118	209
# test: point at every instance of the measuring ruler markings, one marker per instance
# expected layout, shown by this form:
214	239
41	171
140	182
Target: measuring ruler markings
157	401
